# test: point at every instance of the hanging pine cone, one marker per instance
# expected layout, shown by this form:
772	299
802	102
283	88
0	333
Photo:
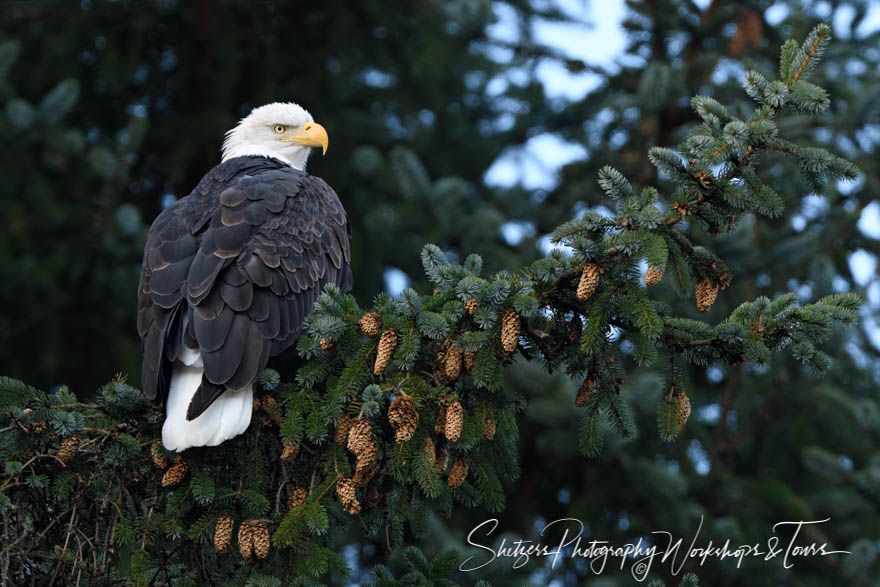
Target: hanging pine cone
327	343
440	425
706	294
370	324
430	450
403	417
341	437
653	275
589	281
585	392
347	496
574	328
458	473
469	357
682	407
297	497
360	436
442	459
222	533
452	362
175	474
157	455
289	452
488	429
366	465
260	537
454	421
509	331
246	540
68	448
471	305
387	344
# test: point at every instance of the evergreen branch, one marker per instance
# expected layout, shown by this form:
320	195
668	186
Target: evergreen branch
817	41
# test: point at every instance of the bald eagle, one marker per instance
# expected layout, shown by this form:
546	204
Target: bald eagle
231	271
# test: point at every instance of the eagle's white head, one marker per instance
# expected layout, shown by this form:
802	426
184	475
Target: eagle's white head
282	130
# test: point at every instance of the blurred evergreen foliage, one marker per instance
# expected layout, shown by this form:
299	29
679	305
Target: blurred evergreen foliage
113	106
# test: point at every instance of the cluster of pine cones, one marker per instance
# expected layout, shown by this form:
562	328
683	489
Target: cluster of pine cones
253	537
706	290
174	474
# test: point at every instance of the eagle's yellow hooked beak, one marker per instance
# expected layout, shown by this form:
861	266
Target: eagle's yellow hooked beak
311	135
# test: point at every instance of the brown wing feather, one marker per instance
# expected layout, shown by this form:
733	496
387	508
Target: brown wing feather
241	261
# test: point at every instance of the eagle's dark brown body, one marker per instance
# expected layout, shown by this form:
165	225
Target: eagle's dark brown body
232	270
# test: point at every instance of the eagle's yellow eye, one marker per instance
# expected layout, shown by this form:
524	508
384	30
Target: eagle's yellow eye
279	128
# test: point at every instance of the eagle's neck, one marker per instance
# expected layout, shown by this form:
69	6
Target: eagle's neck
245	151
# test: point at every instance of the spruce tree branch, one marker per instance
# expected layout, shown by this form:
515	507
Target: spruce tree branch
8	548
741	163
66	541
819	38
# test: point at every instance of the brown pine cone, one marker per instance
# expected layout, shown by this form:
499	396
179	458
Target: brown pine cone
471	305
175	474
589	281
458	473
246	540
297	497
440	425
370	323
469	357
365	466
360	436
653	275
347	496
222	533
454	421
452	362
509	331
682	407
706	294
327	343
403	417
289	452
430	450
342	427
488	429
442	459
68	448
157	454
585	392
387	344
260	537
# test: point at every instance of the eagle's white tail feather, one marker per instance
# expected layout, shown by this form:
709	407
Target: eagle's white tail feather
226	418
